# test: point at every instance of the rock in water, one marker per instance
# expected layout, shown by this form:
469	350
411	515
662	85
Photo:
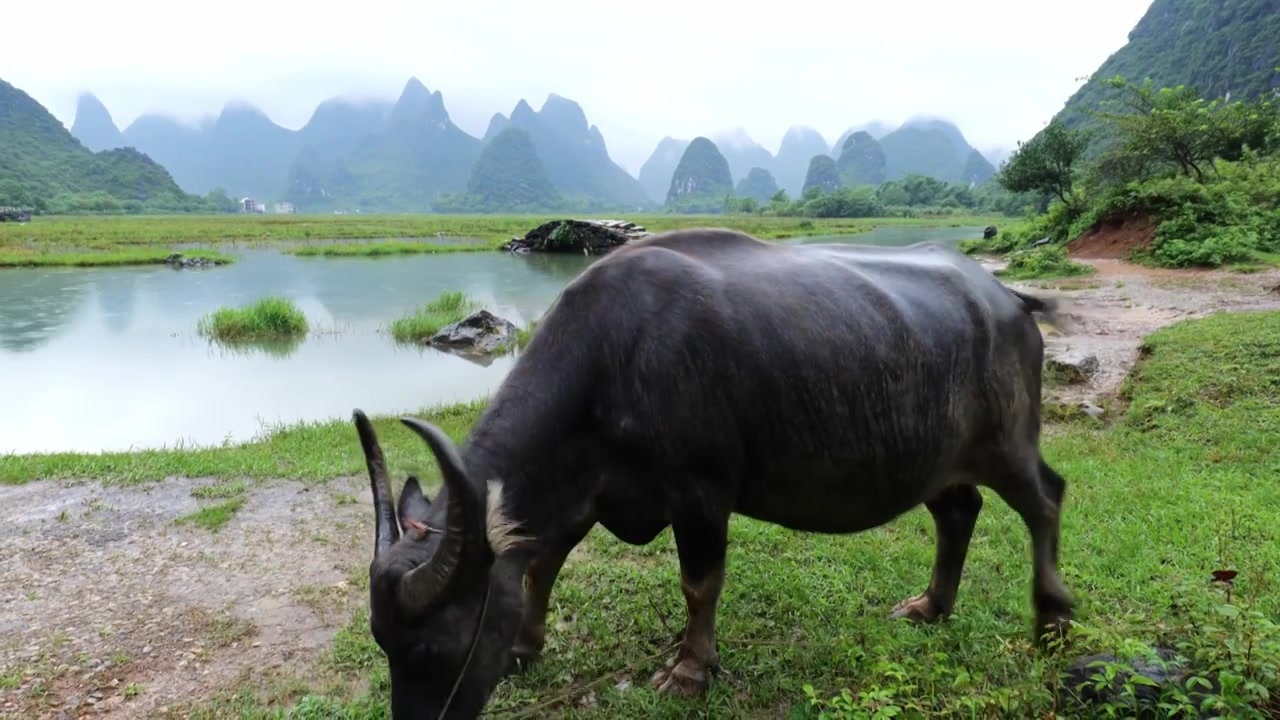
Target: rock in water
990	232
177	260
481	332
577	236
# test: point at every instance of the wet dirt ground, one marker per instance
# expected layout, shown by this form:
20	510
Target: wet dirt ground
110	606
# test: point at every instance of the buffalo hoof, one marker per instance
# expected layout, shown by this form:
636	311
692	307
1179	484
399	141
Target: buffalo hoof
687	678
1052	630
920	608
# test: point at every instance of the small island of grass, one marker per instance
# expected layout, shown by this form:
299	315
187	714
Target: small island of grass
23	256
269	319
391	248
427	320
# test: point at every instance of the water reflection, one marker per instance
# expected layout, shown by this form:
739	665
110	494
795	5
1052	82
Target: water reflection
38	305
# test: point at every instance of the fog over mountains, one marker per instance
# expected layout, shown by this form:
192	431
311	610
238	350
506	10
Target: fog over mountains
403	155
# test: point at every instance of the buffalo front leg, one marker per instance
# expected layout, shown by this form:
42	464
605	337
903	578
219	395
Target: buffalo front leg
701	543
539	580
955	512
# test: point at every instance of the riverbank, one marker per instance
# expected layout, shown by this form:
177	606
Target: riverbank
111	240
1169	486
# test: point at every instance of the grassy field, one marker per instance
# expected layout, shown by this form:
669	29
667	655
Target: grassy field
115	240
1181	483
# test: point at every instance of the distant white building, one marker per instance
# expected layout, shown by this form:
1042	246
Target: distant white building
285	208
249	205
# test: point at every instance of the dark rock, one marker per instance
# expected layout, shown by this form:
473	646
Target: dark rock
177	260
1087	686
480	332
578	236
13	214
990	232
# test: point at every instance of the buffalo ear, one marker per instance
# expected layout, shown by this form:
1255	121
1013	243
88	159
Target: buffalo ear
413	503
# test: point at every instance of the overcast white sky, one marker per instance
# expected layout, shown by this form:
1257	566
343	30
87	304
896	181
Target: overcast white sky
641	70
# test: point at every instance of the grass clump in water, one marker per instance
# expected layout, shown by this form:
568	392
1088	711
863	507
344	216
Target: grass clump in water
427	320
271	318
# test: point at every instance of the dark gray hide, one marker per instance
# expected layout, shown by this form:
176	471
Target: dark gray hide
699	373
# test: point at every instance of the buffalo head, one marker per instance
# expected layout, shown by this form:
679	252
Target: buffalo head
442	606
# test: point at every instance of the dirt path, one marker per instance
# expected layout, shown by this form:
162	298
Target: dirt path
110	607
1111	311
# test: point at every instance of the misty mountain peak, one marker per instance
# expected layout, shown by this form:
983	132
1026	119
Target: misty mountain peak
418	106
93	125
564	116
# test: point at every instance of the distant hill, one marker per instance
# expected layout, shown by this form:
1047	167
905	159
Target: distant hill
573	152
791	164
507	177
758	185
701	180
862	160
94	127
656	172
876	129
1224	48
932	147
742	152
43	165
822	174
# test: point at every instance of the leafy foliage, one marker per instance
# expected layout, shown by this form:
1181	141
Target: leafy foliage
1206	171
1047	163
1177	127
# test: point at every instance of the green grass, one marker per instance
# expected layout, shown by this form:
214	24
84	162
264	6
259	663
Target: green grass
214	517
390	248
427	320
39	256
1180	483
1044	262
268	319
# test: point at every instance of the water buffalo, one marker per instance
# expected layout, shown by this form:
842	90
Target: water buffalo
692	375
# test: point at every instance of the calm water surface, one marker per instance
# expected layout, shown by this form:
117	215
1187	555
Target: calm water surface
108	358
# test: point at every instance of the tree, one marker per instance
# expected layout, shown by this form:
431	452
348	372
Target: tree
1046	163
1176	126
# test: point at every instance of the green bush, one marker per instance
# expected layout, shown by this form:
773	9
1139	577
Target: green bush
1045	261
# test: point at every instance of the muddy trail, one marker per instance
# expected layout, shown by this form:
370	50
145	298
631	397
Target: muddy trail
114	603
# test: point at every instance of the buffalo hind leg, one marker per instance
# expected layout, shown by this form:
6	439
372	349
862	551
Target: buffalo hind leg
1035	491
539	579
955	512
701	543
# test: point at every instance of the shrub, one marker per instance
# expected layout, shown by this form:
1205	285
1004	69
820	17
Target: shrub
1044	261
